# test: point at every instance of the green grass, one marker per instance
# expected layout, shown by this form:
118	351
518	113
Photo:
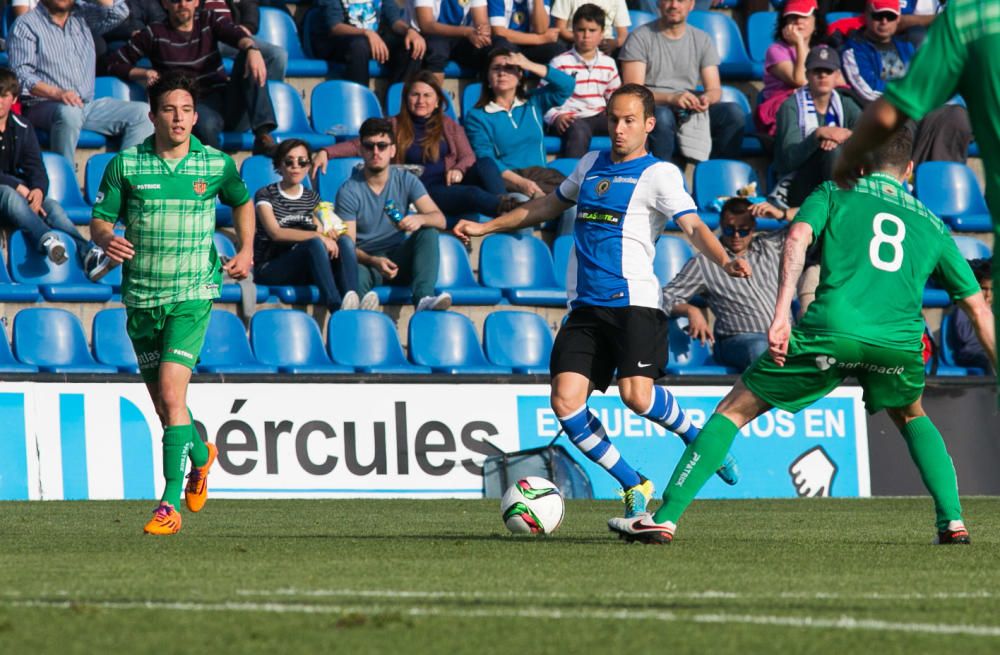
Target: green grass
393	576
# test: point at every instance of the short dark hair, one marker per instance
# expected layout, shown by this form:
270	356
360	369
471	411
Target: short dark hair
171	81
982	268
735	206
894	154
640	92
376	126
590	12
286	147
9	83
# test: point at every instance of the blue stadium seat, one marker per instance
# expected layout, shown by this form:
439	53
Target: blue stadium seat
337	172
64	189
13	292
689	357
291	116
640	18
368	342
231	291
564	165
717	178
946	350
290	340
311	25
972	248
278	28
735	63
226	349
8	364
53	340
394	101
111	343
94	173
760	34
470	96
671	255
561	249
258	171
950	190
111	87
340	107
520	265
447	342
934	295
751	144
455	276
834	16
64	283
520	340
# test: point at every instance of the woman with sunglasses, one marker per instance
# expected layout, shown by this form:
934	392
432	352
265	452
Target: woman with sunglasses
288	245
439	151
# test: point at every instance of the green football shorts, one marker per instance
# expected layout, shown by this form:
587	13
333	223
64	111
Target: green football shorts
817	364
169	333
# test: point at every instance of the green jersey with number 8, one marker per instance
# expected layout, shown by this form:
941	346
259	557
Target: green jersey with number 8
880	245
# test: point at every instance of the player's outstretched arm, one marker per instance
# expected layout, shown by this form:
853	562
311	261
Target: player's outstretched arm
243	218
708	244
979	313
792	264
534	212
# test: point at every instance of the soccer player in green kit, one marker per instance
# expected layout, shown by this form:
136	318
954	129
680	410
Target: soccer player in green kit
164	191
880	246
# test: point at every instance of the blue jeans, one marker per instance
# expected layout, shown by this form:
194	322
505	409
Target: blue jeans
275	57
740	350
479	191
308	262
725	123
37	227
128	121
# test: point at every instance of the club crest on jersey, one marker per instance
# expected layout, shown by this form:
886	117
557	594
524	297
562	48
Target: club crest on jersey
200	186
603	186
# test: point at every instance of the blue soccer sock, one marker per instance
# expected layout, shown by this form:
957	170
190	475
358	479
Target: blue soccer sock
665	411
584	429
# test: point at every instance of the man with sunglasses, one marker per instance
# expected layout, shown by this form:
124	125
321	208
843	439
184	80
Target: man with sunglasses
393	246
742	307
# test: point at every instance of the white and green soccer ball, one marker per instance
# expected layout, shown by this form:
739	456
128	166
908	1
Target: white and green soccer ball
532	505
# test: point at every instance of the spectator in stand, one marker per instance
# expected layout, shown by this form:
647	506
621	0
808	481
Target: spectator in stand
188	41
439	152
916	18
456	30
355	32
507	125
967	349
798	29
140	14
742	307
812	125
596	74
878	55
524	25
245	14
672	59
393	246
616	25
24	185
52	53
289	247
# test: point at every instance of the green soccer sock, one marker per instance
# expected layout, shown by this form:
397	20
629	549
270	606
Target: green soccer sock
930	454
199	451
176	444
701	459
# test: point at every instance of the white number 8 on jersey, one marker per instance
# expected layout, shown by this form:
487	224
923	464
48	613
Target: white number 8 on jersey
894	240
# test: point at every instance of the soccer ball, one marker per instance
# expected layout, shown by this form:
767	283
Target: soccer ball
532	505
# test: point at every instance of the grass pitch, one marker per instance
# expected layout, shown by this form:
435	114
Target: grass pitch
431	576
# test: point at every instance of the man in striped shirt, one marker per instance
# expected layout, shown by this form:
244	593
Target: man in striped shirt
189	42
742	306
585	113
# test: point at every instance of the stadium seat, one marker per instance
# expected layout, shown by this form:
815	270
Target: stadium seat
278	28
290	340
63	283
258	171
13	292
972	248
455	276
291	116
368	342
94	173
337	172
394	101
111	343
640	18
950	190
934	295
520	340
671	255
564	165
561	249
735	63
751	144
520	265
470	96
946	350
688	356
8	364
833	16
340	107
53	340
226	349
111	87
760	34
64	189
720	178
447	342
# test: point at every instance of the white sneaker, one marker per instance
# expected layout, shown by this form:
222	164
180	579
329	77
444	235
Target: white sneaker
55	250
350	301
370	302
437	303
97	264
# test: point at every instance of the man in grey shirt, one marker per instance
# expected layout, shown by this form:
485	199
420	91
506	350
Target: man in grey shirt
672	59
742	306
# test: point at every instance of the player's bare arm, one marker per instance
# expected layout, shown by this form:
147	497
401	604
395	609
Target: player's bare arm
874	128
117	248
708	244
793	262
243	218
534	212
981	316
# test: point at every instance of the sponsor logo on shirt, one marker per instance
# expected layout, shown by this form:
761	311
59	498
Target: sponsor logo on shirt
619	179
182	353
151	186
826	362
594	215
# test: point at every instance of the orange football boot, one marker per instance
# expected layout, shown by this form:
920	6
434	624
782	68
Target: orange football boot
196	491
166	520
